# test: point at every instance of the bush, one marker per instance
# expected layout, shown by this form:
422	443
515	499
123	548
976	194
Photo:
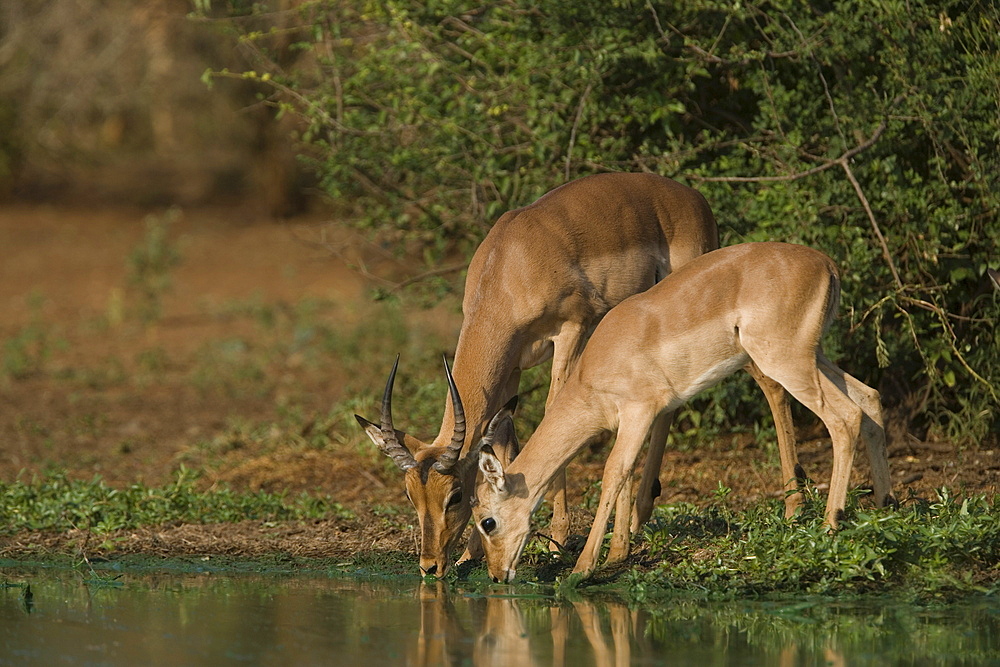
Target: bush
867	130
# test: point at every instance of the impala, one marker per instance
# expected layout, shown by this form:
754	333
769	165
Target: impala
537	286
764	304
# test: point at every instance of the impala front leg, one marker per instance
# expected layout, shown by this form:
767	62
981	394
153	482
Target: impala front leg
559	527
621	538
474	550
617	472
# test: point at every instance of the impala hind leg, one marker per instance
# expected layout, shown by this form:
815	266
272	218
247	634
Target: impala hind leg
792	474
804	380
649	487
872	429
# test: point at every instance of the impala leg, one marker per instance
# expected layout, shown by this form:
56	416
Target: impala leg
474	550
622	536
617	472
806	382
872	429
567	347
512	447
648	489
508	451
843	419
792	474
560	512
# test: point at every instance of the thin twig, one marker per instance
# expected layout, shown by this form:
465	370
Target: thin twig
440	271
871	218
576	125
827	163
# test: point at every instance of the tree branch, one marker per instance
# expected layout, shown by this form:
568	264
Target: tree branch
826	164
871	218
440	271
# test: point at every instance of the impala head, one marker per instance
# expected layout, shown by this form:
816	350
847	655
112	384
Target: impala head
438	480
502	513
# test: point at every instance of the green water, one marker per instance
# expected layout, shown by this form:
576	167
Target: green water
213	619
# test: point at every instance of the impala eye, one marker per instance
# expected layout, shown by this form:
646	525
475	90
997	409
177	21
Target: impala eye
489	524
455	499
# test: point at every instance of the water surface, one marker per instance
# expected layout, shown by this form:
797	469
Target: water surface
71	618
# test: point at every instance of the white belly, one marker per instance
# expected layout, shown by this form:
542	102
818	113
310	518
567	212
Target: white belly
713	375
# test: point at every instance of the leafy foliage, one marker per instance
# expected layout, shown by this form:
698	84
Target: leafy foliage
867	130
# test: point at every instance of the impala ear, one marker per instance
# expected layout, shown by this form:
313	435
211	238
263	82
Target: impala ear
371	430
492	469
390	446
500	433
505	440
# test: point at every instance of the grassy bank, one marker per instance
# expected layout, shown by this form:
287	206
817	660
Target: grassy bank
940	548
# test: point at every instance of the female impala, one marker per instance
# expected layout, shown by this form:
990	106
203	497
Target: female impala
765	304
539	283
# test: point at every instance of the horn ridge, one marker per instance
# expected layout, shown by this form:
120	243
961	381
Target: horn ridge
386	418
391	446
447	460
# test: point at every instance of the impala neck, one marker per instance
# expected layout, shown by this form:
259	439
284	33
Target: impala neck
569	424
484	362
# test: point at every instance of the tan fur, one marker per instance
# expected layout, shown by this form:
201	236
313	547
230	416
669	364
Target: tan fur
759	304
537	286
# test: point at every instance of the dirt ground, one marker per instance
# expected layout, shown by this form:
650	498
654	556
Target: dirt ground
103	395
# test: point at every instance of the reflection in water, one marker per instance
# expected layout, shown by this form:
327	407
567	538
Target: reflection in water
442	636
507	630
501	635
212	619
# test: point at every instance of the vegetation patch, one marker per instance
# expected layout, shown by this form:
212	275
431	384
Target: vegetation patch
931	549
937	549
60	503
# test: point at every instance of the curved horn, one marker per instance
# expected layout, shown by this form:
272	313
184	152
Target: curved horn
505	412
447	460
391	446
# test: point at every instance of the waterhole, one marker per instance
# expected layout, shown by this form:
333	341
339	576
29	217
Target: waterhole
62	617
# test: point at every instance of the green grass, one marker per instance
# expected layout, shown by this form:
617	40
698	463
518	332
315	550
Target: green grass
941	549
928	548
59	503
